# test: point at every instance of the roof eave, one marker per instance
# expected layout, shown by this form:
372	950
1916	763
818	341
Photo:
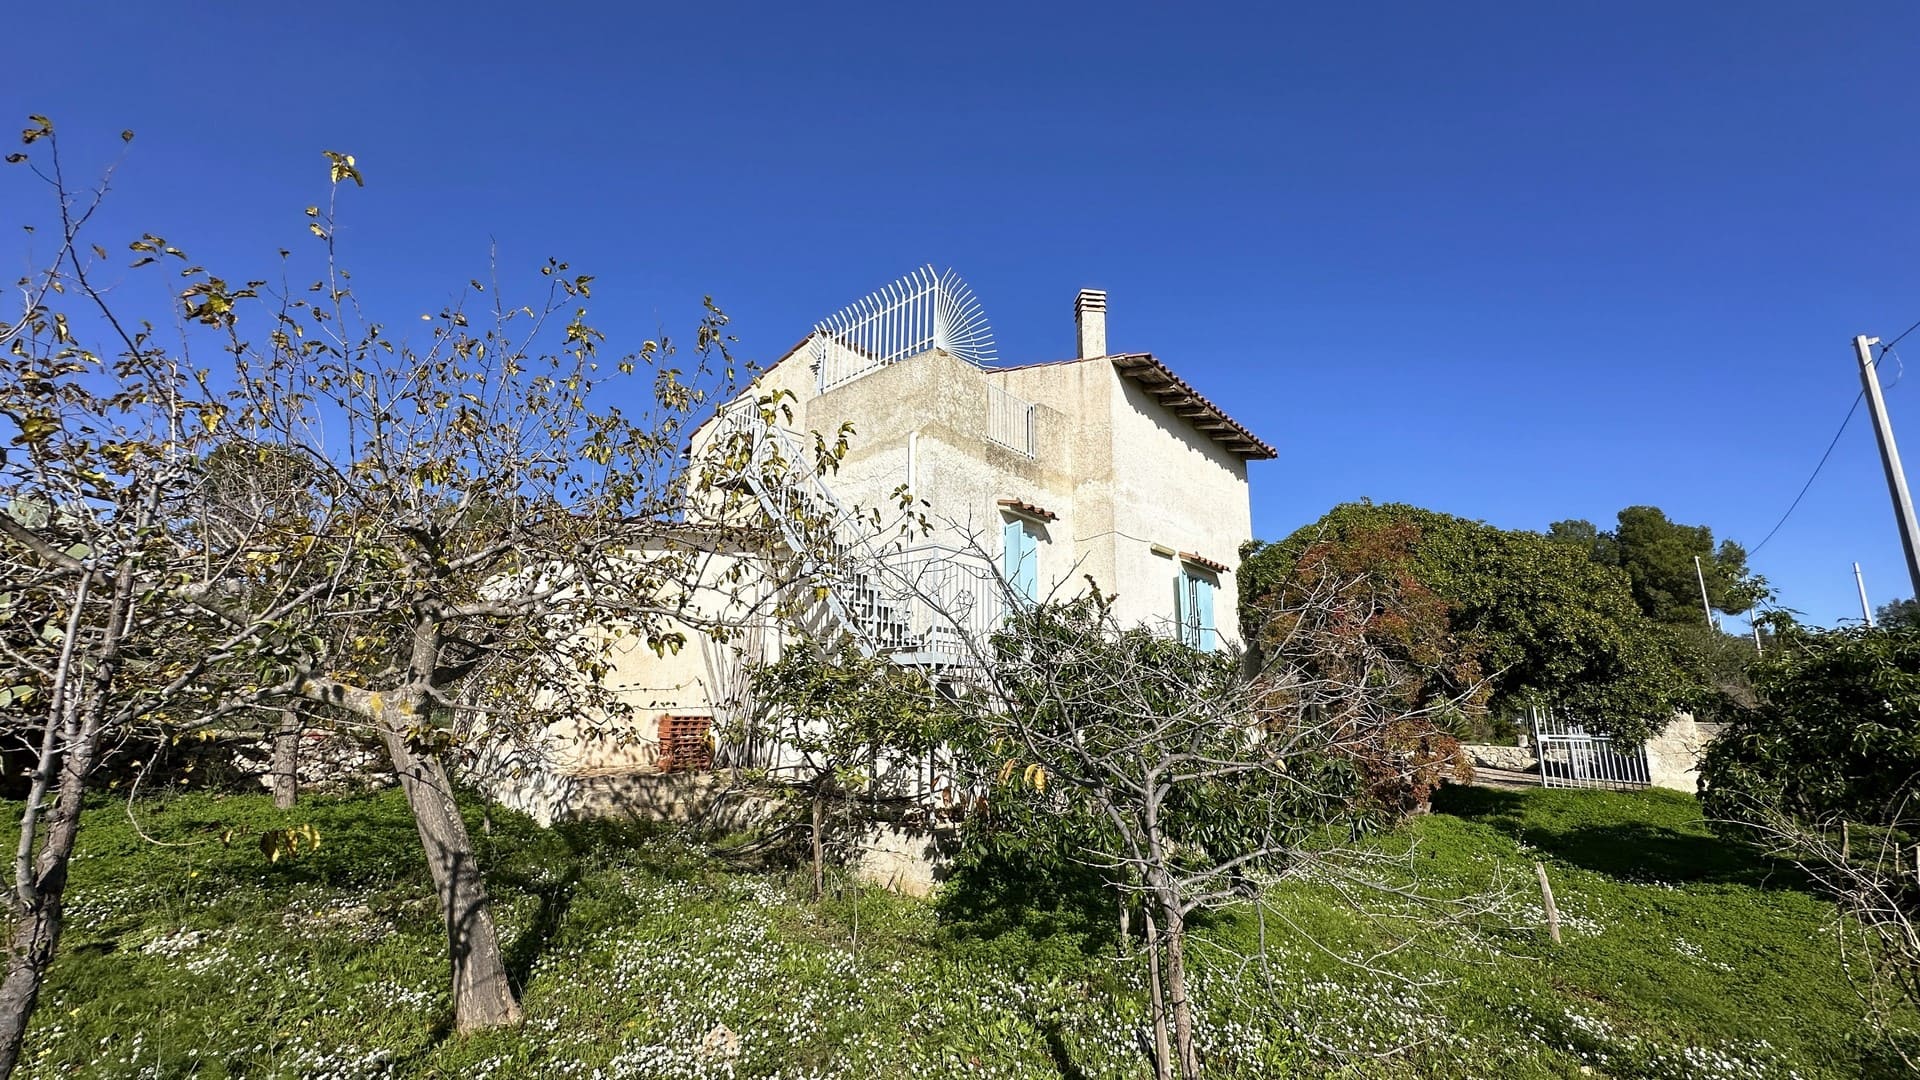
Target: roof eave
1181	399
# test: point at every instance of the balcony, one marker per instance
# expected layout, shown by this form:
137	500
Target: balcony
1009	421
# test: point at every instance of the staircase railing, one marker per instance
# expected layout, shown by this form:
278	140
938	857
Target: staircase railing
920	603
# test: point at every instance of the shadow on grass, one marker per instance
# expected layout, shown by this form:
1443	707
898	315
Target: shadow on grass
552	866
994	894
1642	836
553	896
1062	1059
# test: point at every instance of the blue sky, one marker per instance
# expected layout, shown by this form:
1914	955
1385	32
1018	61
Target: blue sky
1516	262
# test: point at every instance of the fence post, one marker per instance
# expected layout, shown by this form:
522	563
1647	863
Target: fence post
1539	746
1546	901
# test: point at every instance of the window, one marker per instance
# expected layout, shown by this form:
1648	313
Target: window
1020	559
1193	608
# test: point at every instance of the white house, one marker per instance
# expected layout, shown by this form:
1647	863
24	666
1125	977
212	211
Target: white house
1106	467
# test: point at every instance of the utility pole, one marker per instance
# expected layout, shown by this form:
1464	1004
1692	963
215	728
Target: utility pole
1704	605
1860	582
1890	458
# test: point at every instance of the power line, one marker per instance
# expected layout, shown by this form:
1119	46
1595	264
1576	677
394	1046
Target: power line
1857	398
1889	345
1855	407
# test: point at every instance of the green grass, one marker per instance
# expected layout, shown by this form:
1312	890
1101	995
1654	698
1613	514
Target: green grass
187	956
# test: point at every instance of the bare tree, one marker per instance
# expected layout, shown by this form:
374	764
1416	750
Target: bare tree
1824	771
1872	873
456	533
105	606
1191	783
484	525
243	491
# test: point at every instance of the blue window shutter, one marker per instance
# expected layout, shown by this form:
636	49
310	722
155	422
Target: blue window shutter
1180	613
1029	584
1203	599
1010	553
1019	560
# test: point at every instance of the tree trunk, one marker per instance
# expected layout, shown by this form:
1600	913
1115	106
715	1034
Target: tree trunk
70	745
37	924
1162	1056
1163	891
286	759
1175	935
819	845
482	996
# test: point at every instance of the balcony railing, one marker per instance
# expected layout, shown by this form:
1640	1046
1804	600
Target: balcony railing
946	601
924	310
1009	421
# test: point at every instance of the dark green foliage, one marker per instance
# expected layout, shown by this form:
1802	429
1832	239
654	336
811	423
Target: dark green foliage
1898	613
1547	624
1072	679
1657	555
1020	869
1717	662
1586	536
839	709
1836	733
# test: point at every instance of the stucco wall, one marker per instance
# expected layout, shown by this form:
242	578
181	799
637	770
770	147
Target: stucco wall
1123	473
958	476
700	678
1120	472
1175	487
1078	398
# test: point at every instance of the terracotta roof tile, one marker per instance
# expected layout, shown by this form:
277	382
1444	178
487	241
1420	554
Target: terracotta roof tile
1191	405
1027	509
1202	560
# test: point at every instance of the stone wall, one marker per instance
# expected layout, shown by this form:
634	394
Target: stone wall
1509	758
905	858
328	762
1673	756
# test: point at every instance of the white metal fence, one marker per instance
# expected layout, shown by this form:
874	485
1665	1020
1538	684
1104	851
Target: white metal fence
924	310
1571	757
1009	421
951	600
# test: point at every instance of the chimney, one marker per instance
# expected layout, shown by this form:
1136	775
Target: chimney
1090	316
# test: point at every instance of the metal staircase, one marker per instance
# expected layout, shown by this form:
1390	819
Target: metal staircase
923	605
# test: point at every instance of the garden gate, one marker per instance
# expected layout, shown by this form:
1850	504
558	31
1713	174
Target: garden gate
1570	757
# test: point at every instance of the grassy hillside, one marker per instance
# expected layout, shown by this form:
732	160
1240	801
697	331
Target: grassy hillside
188	956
